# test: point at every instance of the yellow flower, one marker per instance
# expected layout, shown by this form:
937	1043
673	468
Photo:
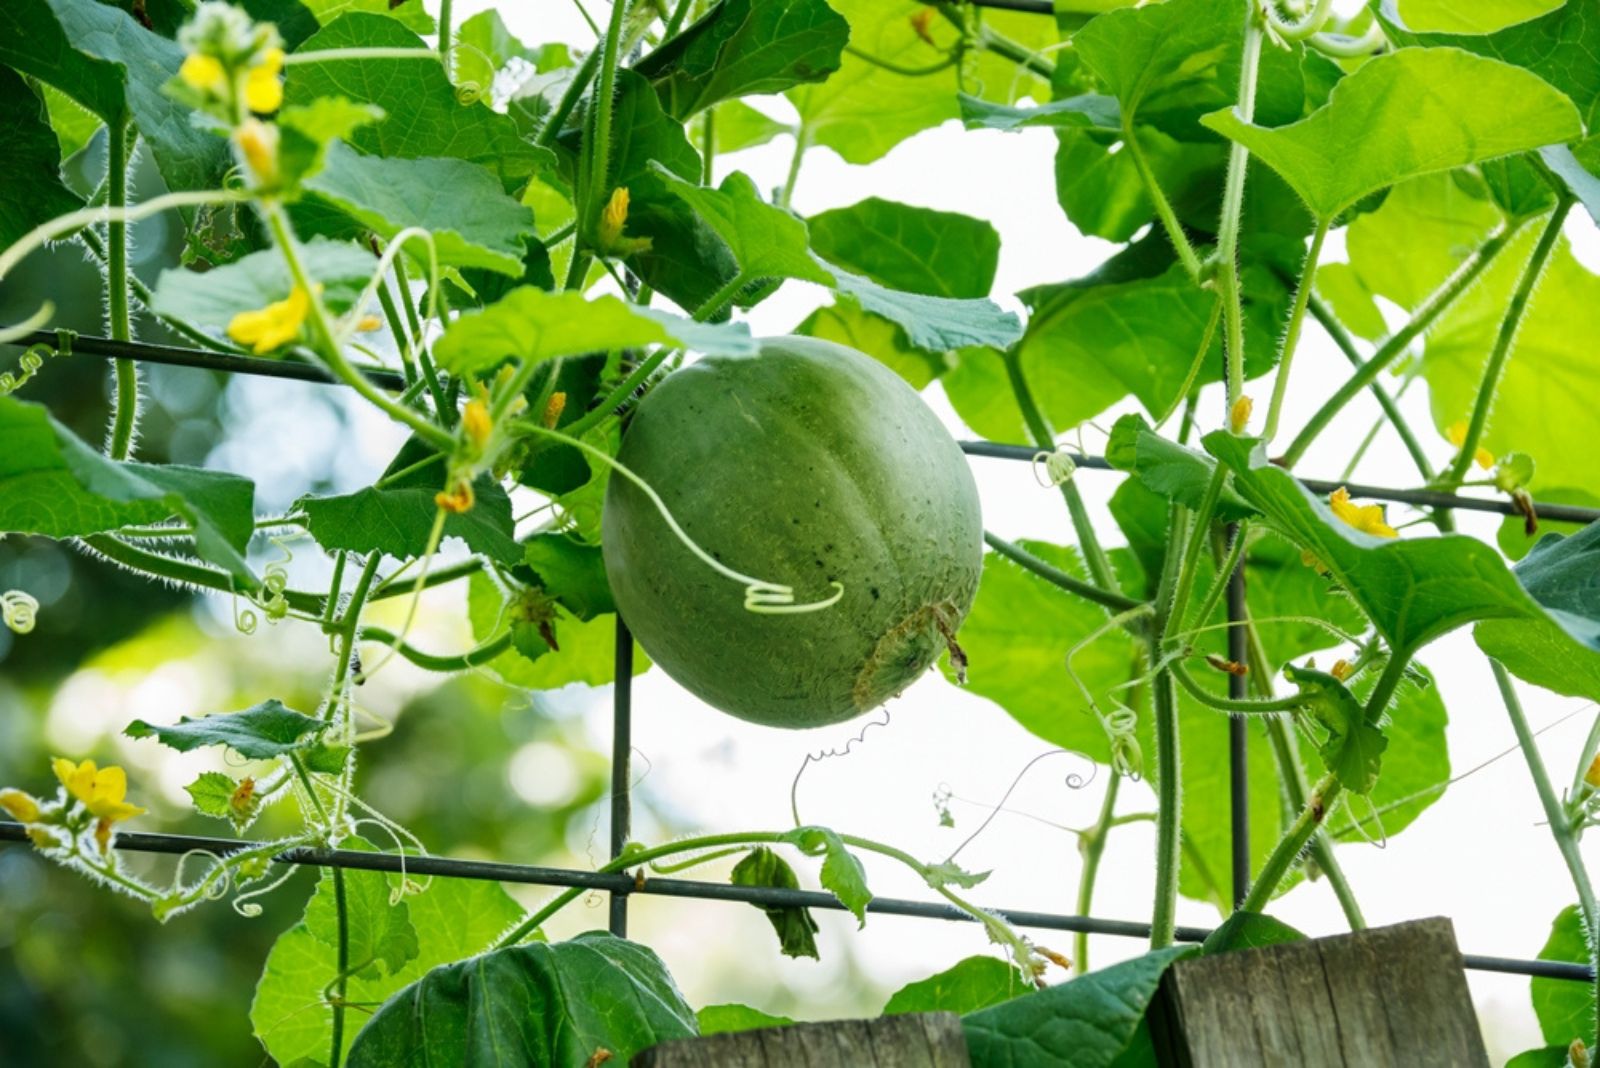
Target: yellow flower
263	92
1592	777
1458	434
204	73
22	807
1239	414
101	790
368	323
613	219
258	142
553	409
1367	518
273	326
1342	669
477	422
457	499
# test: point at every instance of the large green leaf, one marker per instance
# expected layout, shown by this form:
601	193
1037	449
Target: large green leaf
1563	575
396	520
422	116
722	1019
1559	46
473	223
104	59
261	732
1472	16
969	985
918	250
532	324
409	13
1404	114
51	483
842	874
1565	1009
746	47
794	925
1099	187
1249	930
847	323
212	298
1171	470
33	191
587	647
1086	1023
452	919
1087	110
933	324
556	1004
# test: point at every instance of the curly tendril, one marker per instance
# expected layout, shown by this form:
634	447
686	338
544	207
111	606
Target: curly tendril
20	610
1073	780
1286	31
1058	467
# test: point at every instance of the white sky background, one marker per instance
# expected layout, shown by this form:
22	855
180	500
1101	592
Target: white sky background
1479	856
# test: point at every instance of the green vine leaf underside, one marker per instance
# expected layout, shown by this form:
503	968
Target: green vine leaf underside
588	647
211	299
261	732
968	986
1565	1009
743	48
1415	590
451	919
1087	1022
474	224
51	483
557	1004
842	873
33	192
1411	112
794	925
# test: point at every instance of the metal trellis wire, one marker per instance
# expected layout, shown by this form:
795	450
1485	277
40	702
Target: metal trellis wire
621	885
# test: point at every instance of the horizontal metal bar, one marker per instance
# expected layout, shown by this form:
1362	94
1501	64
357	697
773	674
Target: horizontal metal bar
1032	7
618	882
256	365
204	359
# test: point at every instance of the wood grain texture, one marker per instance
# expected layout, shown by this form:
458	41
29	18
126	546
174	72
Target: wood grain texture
1392	997
915	1040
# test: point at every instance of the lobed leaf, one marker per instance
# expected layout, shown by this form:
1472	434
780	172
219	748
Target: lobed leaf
260	732
967	986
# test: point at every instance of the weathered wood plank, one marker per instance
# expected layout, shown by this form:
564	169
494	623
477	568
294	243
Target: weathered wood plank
917	1040
1395	997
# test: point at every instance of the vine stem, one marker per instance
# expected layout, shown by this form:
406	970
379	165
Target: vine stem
336	1054
1429	310
1233	206
326	346
126	417
604	103
1093	846
1559	821
444	49
801	143
1169	218
1199	532
1507	335
1284	854
1056	577
719	300
1291	335
1044	436
1169	785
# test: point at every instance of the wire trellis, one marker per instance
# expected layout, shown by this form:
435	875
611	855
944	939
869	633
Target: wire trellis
621	885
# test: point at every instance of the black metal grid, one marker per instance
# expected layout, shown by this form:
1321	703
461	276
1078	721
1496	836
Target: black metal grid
621	886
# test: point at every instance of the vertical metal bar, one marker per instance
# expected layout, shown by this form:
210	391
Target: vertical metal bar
1238	740
621	766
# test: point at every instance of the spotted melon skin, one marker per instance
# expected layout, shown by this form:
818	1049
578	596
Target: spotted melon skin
805	464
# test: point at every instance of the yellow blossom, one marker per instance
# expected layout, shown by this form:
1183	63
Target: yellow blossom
1367	518
919	25
1592	776
263	92
258	143
477	422
368	323
1458	434
1239	414
273	326
205	73
22	807
457	499
613	220
1342	669
101	790
553	409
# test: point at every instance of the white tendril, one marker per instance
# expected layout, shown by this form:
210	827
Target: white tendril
1059	467
246	907
20	610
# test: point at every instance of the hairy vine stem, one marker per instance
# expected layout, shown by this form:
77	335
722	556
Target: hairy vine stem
1291	334
1116	602
1092	845
1169	218
1504	338
1233	206
1169	784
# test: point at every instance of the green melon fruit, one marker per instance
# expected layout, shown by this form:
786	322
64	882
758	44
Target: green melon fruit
807	464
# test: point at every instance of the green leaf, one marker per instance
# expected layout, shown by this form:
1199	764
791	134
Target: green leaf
216	794
842	873
473	223
52	483
743	48
1565	1009
486	34
1562	577
306	131
104	59
796	929
724	1019
211	299
1471	16
1513	537
972	984
1102	192
1086	1022
453	919
916	250
1087	110
571	572
934	324
33	192
1545	1057
1578	166
531	324
1559	46
260	732
408	13
1353	748
378	931
1169	469
1405	114
74	124
422	116
398	518
551	1004
1017	637
766	242
979	389
739	126
1249	930
1413	589
847	324
587	652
